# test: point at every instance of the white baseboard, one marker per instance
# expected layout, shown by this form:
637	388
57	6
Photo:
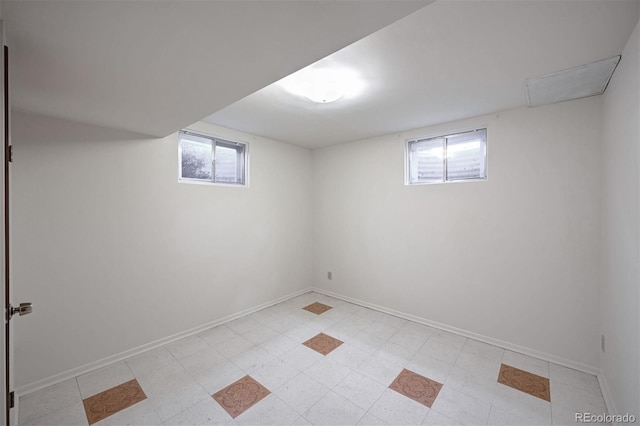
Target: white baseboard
475	336
104	362
606	393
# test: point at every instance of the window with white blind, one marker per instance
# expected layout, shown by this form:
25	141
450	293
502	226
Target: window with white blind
448	158
208	159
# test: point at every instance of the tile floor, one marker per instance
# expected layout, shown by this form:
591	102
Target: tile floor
333	363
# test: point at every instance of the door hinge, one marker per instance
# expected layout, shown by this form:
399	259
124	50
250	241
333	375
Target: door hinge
12	399
10	153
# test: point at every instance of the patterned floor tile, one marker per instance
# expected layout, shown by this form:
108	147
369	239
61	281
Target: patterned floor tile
323	343
241	395
387	371
111	401
416	387
524	381
317	308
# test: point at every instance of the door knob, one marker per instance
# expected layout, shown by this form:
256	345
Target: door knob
23	309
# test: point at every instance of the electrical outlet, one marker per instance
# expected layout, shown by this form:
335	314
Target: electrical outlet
602	342
329	276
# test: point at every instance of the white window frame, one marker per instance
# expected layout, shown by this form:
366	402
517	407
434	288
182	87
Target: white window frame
407	157
215	141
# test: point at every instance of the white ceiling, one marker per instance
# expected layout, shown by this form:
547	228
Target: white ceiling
447	61
153	67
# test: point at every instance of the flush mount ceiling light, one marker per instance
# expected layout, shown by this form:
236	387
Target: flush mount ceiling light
323	82
573	83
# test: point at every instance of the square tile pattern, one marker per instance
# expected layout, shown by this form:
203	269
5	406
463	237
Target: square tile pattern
323	343
356	366
106	403
240	395
317	308
524	381
417	387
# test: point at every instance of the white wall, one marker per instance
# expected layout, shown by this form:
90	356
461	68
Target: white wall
115	253
621	232
515	258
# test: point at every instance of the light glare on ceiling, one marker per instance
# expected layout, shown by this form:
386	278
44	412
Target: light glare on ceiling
573	83
323	82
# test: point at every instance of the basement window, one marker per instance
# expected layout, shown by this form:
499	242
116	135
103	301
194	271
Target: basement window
208	159
448	158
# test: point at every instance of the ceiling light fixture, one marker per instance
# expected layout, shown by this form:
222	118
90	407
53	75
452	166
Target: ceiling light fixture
323	82
573	83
